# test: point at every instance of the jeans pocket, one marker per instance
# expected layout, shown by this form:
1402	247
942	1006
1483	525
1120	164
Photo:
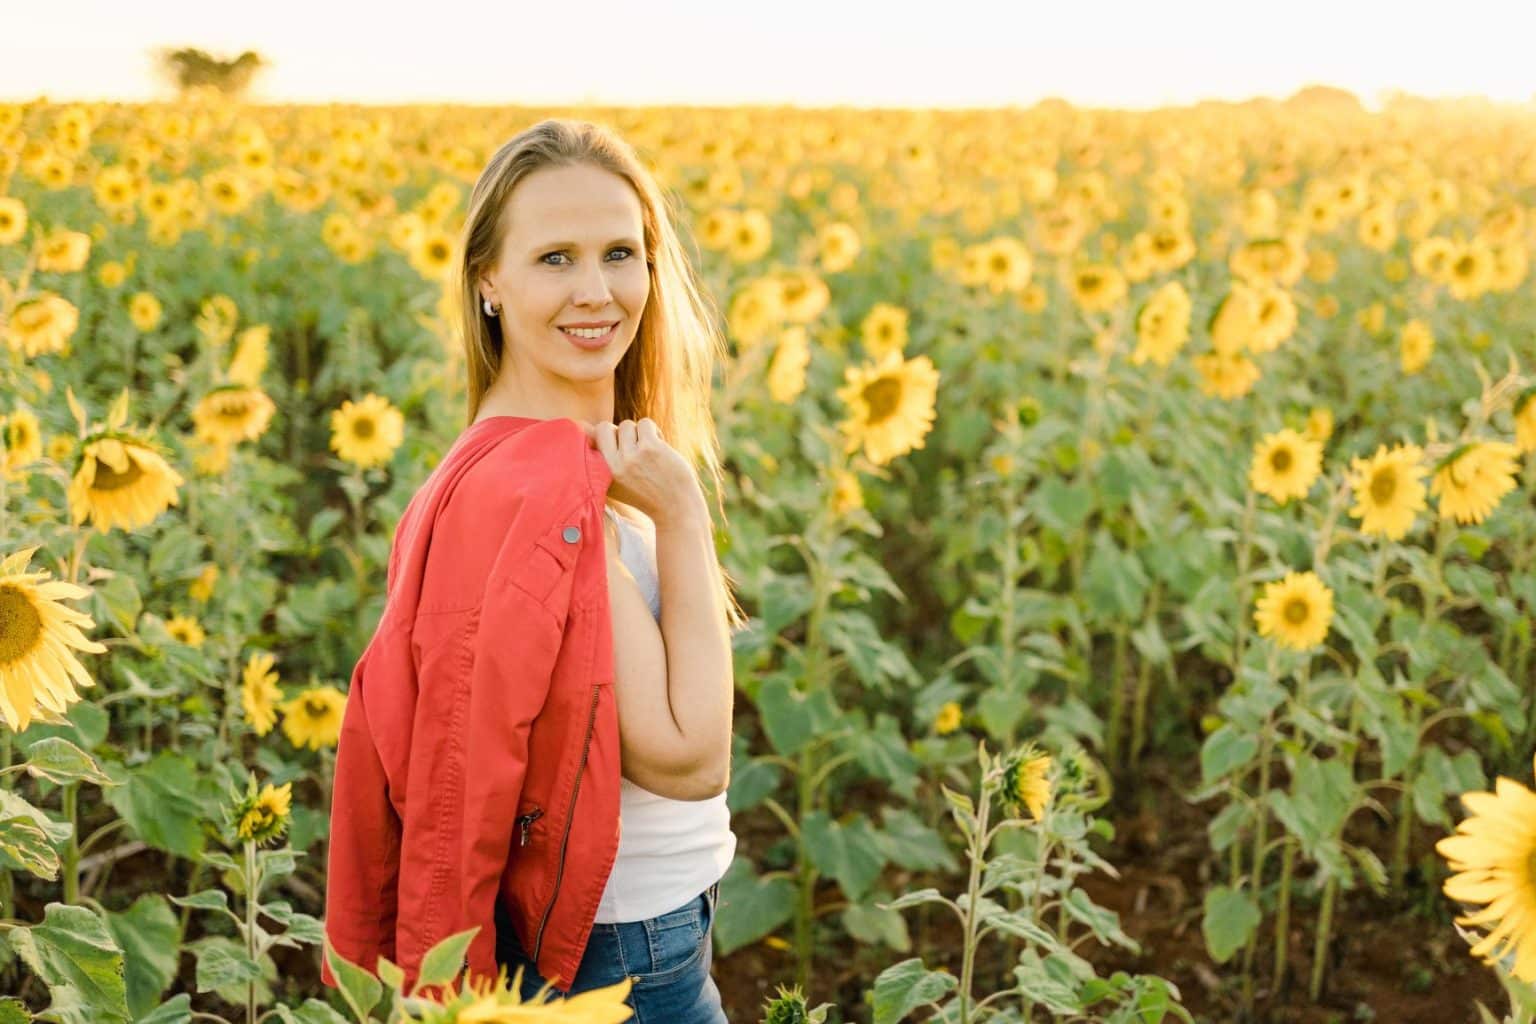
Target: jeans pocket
675	942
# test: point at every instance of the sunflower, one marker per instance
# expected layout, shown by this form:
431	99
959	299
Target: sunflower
1026	782
1226	375
121	481
232	413
1389	490
890	404
1470	481
499	1001
948	719
1284	465
1494	856
41	324
262	817
201	588
837	246
786	374
367	432
1235	324
1162	325
1320	423
13	220
1007	265
37	633
64	251
313	717
847	495
1097	287
21	440
186	629
250	357
1416	346
1525	420
1276	318
1296	610
884	329
259	693
432	254
144	311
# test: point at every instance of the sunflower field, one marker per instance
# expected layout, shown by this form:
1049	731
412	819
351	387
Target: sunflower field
1136	513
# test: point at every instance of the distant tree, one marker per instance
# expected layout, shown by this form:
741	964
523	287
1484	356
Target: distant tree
189	68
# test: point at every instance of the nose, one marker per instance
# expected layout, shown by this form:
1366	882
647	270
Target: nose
592	288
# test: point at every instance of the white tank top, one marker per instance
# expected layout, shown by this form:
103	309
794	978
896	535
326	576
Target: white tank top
669	850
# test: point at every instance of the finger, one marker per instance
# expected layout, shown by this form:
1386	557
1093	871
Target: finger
628	436
647	430
607	443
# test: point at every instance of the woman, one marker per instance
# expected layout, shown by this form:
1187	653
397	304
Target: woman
587	310
589	352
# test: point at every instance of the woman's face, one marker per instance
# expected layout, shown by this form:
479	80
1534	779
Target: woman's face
573	253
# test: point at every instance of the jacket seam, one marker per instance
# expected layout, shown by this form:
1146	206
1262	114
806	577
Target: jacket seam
442	863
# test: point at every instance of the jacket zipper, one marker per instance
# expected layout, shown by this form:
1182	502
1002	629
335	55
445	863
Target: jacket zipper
538	939
525	822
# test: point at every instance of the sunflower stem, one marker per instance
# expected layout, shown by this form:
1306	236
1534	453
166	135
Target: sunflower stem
71	858
1324	933
1112	738
1143	686
1283	914
978	854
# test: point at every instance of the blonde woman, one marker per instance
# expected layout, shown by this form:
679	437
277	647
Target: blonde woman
538	738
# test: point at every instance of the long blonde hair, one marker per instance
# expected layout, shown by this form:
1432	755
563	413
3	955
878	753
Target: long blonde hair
669	369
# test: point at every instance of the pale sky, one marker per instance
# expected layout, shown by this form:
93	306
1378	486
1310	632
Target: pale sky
1123	53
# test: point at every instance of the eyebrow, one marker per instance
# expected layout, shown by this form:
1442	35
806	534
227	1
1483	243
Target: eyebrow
572	245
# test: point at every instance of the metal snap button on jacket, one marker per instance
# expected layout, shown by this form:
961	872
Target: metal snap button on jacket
572	534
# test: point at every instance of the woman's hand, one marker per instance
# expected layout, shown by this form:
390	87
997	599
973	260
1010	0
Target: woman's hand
648	473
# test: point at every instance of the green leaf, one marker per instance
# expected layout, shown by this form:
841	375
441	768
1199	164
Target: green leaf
905	986
86	727
871	925
159	801
312	1012
24	845
751	784
220	965
791	717
73	953
149	933
207	899
1114	583
359	988
118	600
1224	751
906	841
849	853
1231	917
175	1010
14	1011
58	760
443	962
750	907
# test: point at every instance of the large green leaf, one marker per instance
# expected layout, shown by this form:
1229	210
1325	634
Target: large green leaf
849	853
1230	918
1225	750
175	1010
74	954
750	907
791	717
149	933
159	801
905	986
58	760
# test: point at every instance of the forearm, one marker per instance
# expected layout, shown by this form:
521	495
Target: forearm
700	683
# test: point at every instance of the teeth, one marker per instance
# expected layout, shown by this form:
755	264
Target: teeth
587	332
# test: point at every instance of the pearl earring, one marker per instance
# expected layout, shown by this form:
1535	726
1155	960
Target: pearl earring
489	309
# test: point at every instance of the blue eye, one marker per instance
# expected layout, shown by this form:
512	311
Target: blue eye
561	252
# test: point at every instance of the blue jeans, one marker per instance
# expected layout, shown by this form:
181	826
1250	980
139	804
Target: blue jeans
667	957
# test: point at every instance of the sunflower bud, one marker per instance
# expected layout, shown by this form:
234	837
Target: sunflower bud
262	817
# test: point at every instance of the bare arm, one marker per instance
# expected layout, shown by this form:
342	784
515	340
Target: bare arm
674	683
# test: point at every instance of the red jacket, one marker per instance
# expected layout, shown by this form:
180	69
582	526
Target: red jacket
479	749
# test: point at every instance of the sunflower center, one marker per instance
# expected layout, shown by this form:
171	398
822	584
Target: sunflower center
21	627
1280	460
1296	611
109	479
1383	485
363	428
315	708
883	397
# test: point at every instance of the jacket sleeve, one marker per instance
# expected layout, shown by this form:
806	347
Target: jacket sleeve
516	643
363	862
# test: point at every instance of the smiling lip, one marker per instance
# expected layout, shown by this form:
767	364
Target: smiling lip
592	344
